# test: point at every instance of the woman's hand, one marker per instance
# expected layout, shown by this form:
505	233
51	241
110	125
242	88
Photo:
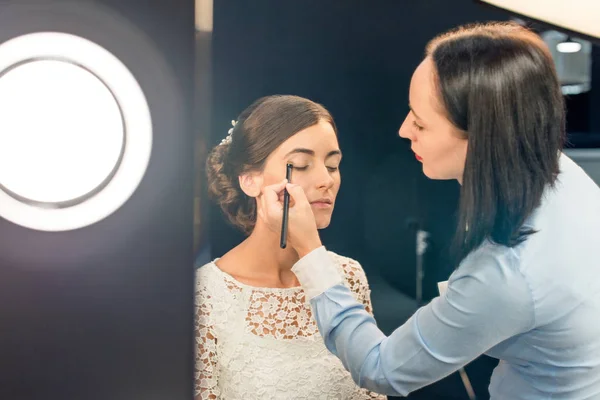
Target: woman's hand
302	228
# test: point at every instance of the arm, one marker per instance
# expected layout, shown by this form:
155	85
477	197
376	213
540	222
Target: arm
205	371
358	283
487	301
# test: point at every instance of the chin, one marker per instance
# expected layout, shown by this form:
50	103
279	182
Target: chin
323	222
435	176
431	176
322	217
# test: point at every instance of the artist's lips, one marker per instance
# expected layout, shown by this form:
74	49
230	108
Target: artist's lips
322	203
418	157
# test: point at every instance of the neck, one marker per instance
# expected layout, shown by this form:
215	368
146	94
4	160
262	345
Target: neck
266	259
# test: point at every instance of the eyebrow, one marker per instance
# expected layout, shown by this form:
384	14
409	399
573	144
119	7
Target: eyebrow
413	111
312	153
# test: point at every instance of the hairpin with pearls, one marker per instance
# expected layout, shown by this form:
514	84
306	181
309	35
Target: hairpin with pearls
228	138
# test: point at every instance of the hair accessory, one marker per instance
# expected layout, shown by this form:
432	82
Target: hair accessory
228	138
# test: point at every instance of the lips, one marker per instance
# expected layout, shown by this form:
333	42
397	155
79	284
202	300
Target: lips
418	157
322	203
323	200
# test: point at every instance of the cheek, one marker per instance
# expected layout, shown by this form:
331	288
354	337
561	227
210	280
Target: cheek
300	178
457	150
445	158
308	187
270	178
337	182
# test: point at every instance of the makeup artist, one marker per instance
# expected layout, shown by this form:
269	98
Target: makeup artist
486	109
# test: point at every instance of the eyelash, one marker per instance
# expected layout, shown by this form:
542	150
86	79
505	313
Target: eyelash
331	169
419	127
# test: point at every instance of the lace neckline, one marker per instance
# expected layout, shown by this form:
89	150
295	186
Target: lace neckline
230	277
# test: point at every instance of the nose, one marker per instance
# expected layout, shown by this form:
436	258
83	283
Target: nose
406	131
324	178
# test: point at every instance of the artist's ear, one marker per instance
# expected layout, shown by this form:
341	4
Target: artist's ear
251	183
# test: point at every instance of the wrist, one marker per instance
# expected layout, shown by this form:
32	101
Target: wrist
308	246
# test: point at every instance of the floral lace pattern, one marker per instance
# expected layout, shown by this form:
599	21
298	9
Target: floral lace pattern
282	316
263	343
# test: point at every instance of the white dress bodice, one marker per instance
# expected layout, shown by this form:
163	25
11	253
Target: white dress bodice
263	343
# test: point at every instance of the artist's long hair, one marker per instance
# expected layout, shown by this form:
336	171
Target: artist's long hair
498	84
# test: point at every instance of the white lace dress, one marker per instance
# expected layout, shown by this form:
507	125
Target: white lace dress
263	343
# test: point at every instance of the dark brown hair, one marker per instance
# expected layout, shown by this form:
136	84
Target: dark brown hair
260	129
498	84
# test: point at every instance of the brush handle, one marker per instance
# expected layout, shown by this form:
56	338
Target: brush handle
286	208
284	221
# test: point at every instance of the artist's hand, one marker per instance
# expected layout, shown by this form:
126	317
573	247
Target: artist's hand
302	228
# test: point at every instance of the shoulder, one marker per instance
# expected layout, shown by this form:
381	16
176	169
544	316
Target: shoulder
350	268
210	283
491	263
215	295
493	272
205	274
501	257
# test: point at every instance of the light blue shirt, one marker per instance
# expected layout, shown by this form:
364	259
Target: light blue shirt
536	307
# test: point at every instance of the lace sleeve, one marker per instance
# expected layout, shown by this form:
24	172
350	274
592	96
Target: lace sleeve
357	282
206	373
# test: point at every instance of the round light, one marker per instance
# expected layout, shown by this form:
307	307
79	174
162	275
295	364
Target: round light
75	135
568	47
61	133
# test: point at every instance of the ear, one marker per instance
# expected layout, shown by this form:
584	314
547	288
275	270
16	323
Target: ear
251	183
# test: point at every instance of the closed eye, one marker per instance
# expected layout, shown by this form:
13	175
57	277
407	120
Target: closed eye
419	127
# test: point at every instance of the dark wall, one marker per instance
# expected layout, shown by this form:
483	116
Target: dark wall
594	105
356	57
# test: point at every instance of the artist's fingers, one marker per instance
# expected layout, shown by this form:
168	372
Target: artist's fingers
273	194
297	195
269	202
274	189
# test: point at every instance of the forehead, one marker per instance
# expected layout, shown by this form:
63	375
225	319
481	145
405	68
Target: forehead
423	91
320	136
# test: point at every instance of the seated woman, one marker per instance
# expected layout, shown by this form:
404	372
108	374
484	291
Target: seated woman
255	335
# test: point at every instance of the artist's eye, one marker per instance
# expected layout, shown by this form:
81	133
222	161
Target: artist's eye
332	169
303	168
